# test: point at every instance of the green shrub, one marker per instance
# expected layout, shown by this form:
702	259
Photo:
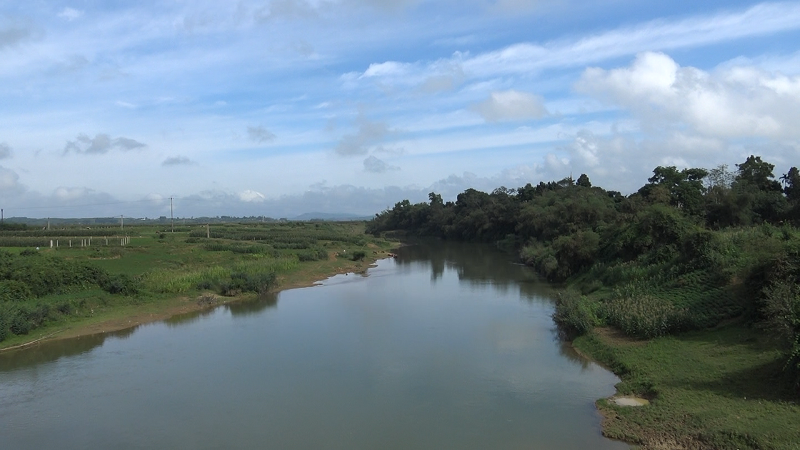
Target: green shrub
575	314
14	291
239	282
121	284
359	255
5	322
25	318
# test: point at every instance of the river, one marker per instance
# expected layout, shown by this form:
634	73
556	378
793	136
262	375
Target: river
448	346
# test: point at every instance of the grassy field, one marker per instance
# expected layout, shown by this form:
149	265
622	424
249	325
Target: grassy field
717	389
142	273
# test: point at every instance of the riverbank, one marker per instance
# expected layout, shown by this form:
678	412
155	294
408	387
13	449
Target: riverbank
176	273
158	309
717	389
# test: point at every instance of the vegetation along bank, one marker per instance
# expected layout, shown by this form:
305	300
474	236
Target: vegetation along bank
688	289
105	277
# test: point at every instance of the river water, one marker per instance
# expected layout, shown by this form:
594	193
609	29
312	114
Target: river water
449	346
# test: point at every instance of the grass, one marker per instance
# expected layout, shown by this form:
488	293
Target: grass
170	270
717	389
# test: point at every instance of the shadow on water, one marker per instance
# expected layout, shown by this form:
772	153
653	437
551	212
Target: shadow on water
53	350
61	348
475	263
240	308
254	306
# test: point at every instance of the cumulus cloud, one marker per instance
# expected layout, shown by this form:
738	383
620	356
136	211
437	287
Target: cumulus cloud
70	14
375	165
510	105
369	133
259	134
177	161
729	103
251	196
100	144
5	151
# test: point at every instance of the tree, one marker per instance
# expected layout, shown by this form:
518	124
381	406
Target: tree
757	192
757	173
436	199
583	180
684	188
792	184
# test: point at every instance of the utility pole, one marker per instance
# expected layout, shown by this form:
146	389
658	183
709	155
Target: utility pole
2	216
121	222
171	219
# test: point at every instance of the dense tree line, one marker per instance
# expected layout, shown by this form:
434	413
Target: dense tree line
689	249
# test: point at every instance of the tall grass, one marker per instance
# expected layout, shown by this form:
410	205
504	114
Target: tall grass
181	281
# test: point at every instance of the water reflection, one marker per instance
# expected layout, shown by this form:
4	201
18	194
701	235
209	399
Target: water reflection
53	350
253	306
476	264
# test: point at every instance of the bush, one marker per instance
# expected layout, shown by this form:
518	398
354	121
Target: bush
575	314
247	282
14	291
782	317
316	254
121	284
5	322
359	255
25	318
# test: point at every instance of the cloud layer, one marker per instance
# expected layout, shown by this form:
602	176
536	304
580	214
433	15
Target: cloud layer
441	96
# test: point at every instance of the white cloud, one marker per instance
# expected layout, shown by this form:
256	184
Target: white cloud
387	69
70	14
511	105
72	193
730	103
251	196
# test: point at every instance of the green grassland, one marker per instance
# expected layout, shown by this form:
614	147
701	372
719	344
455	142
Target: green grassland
715	389
148	271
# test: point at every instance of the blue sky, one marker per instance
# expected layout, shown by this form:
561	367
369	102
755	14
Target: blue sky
283	107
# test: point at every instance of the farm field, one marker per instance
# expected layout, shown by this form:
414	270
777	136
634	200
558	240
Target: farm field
74	280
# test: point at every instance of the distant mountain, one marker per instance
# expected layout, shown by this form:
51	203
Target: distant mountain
335	217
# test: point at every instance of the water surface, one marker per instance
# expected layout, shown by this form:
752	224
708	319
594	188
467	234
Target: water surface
449	346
